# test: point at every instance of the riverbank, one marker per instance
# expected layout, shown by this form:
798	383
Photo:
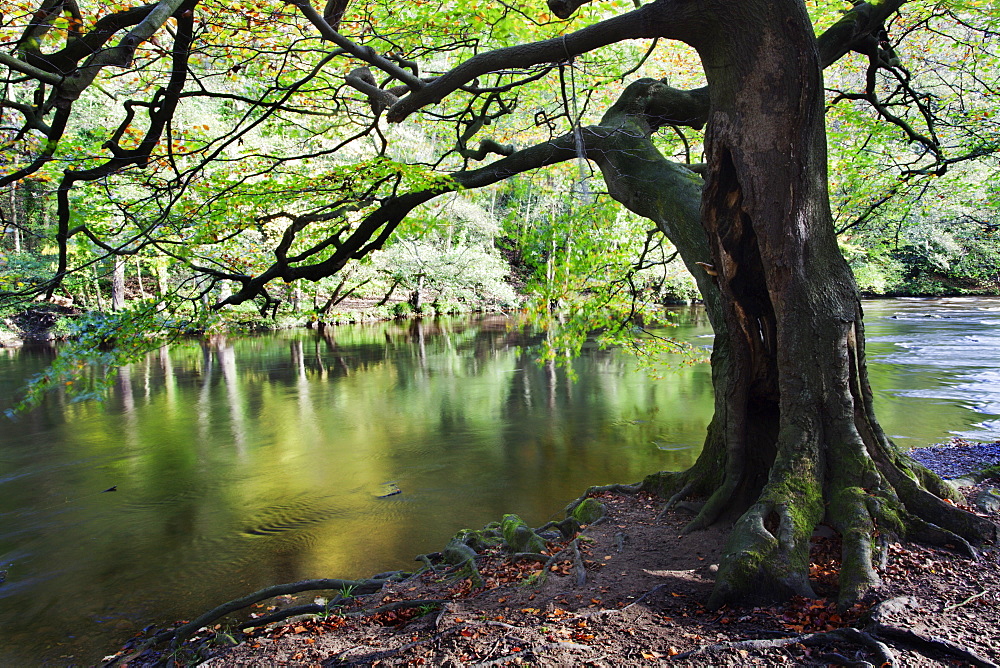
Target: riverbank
48	322
629	590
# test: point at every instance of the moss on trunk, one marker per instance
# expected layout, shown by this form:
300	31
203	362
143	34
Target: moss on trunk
795	441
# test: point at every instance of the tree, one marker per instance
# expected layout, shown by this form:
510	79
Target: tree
794	441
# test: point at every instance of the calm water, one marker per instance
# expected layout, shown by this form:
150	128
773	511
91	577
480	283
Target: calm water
248	461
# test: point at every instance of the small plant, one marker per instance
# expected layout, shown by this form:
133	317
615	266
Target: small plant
227	637
427	609
992	471
532	579
330	604
402	309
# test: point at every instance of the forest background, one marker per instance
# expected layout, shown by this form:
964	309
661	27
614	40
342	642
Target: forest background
141	218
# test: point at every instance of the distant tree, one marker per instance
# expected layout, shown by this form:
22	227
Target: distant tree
299	165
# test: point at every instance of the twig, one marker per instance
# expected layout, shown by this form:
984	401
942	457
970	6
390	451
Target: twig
581	571
643	597
397	605
968	600
850	634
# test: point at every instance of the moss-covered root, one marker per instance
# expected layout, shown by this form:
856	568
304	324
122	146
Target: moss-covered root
855	514
587	511
767	554
922	494
519	537
463	557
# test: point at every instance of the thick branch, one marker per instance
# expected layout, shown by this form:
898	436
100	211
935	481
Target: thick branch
19	65
855	29
120	55
647	22
365	53
66	60
663	18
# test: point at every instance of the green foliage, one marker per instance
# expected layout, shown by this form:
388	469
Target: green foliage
402	309
929	257
99	344
909	224
445	254
271	158
21	271
588	268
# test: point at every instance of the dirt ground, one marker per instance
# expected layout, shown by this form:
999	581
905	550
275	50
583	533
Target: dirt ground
629	591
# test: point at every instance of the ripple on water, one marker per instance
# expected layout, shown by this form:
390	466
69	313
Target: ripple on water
297	514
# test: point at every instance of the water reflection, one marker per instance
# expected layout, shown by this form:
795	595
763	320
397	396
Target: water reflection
241	462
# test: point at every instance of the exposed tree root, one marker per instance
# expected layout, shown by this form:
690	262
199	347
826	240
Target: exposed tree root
578	567
931	534
574	547
460	553
368	659
884	654
464	558
319	609
535	651
281	615
181	633
870	500
617	488
929	645
767	554
925	644
568	527
869	638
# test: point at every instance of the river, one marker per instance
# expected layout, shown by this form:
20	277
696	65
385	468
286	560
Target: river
243	462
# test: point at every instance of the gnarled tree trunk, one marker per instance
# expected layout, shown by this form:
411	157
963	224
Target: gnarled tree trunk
800	442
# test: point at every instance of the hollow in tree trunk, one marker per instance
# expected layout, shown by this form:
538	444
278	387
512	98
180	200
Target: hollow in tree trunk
794	436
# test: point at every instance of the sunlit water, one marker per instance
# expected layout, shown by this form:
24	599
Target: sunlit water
244	462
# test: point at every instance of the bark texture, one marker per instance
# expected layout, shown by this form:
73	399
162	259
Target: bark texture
801	442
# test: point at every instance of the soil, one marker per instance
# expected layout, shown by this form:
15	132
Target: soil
629	591
33	325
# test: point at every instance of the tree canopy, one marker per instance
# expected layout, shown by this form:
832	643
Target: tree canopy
248	142
256	144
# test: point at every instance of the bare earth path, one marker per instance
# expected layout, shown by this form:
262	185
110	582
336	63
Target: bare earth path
627	592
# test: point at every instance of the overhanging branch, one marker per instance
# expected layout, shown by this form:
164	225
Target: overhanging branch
646	22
